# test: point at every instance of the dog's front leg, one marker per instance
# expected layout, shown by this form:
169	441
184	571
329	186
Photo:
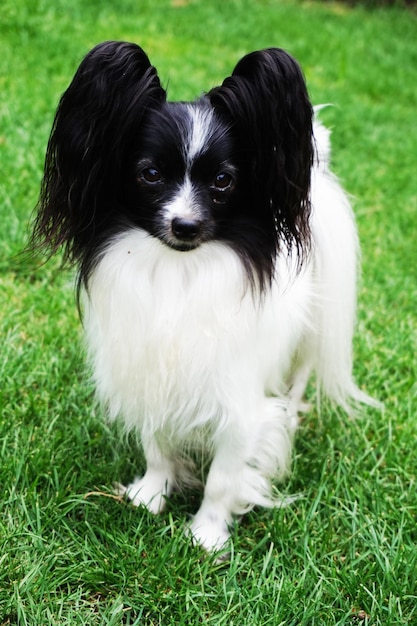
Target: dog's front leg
210	526
249	454
152	489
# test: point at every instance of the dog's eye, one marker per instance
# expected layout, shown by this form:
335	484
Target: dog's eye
150	175
223	181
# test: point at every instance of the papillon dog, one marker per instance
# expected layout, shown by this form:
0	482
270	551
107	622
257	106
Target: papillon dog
217	267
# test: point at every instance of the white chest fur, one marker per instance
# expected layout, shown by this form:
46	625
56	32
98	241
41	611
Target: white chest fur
177	339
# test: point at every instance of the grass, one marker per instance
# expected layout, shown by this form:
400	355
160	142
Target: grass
346	552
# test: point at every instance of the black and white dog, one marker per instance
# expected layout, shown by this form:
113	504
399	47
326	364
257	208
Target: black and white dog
217	262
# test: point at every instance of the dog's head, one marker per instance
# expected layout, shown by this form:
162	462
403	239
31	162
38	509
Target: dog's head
232	166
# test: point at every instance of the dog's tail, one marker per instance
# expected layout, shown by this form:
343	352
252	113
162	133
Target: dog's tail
336	253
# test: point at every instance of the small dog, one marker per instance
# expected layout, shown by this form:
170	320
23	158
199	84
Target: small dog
217	265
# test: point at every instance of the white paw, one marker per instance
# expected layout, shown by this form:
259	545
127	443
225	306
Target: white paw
147	491
210	532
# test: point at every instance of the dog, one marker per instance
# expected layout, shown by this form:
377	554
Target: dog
216	256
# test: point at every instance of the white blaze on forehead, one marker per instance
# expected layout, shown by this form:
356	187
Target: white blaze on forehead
184	204
199	129
199	132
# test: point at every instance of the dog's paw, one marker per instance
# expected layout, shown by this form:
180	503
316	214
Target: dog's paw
145	492
211	533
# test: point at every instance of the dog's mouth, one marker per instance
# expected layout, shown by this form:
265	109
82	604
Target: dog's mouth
179	245
182	246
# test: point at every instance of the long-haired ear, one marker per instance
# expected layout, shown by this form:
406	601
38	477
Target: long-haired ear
93	125
266	101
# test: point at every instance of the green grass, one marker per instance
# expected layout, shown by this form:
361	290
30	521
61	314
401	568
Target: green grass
346	552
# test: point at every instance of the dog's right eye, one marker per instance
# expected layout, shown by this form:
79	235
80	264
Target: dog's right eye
150	175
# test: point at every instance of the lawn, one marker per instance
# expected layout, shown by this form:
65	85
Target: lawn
345	553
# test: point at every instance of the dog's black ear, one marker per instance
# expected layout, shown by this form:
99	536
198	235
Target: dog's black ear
94	123
265	100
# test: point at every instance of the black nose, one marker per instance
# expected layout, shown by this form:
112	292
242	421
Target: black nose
186	229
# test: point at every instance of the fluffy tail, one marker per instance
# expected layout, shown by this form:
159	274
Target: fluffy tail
336	253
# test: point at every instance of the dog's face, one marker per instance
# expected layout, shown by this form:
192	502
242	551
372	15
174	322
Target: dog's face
233	166
184	179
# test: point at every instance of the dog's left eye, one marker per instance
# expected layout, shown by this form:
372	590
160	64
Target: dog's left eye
223	181
150	175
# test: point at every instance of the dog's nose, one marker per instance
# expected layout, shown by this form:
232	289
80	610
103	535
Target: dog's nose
185	229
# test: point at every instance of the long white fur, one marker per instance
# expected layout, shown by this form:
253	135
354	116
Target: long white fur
184	352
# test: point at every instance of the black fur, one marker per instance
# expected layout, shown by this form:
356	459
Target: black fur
114	119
